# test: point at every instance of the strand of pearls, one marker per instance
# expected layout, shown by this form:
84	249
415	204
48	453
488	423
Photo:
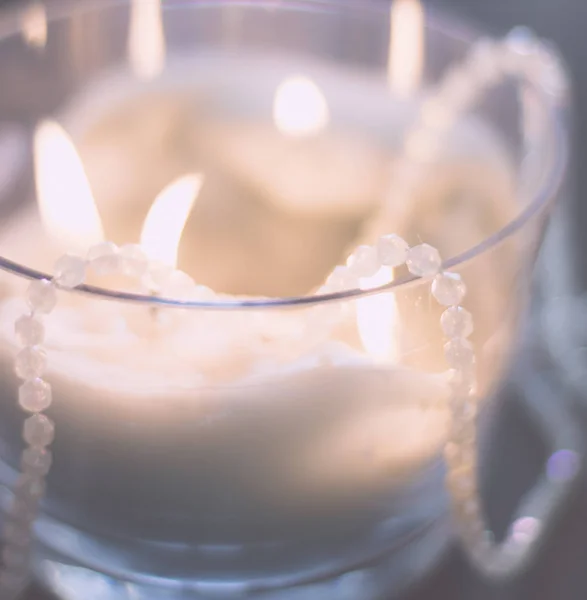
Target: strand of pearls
35	394
456	322
521	55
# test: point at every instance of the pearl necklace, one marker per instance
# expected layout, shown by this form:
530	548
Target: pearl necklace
519	55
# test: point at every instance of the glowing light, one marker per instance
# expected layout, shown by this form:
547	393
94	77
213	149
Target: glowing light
300	108
67	206
526	529
377	318
167	217
406	46
563	465
146	40
34	25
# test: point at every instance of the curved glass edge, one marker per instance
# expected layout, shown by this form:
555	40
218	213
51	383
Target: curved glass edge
557	118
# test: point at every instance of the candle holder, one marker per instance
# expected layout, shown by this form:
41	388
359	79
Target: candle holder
283	427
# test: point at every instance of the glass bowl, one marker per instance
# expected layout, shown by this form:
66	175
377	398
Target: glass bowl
274	438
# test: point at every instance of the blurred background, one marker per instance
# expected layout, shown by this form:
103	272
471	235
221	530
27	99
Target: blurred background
515	451
514	446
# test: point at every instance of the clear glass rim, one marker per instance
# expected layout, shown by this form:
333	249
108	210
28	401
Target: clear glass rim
539	202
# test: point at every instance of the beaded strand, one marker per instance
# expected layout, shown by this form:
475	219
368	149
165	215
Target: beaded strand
520	55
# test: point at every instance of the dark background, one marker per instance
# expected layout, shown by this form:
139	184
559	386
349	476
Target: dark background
515	450
561	570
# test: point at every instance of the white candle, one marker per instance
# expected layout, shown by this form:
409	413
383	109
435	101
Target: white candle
206	406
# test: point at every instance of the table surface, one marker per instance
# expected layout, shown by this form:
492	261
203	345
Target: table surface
560	572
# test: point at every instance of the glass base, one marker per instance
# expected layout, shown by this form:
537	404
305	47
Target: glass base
377	565
381	579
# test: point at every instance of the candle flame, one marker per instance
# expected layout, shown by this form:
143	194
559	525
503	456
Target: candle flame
65	200
406	46
34	25
146	39
300	108
167	217
377	318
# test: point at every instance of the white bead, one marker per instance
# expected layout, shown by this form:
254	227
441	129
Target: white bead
464	433
104	258
449	289
42	296
179	286
521	40
423	260
457	89
364	262
459	353
203	293
35	395
69	271
29	330
29	488
36	460
39	430
392	250
521	53
463	391
158	276
461	484
341	279
30	362
470	509
554	80
458	455
134	262
463	381
464	410
552	75
457	322
483	62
